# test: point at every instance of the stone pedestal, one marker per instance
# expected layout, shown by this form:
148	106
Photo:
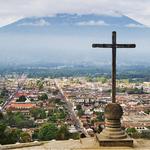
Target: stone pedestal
0	147
113	135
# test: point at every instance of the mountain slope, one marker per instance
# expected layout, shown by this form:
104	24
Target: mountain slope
67	38
78	20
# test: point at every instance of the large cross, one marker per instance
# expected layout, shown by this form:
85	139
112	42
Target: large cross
114	46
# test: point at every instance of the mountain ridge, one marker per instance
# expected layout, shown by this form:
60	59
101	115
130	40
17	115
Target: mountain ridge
78	20
67	38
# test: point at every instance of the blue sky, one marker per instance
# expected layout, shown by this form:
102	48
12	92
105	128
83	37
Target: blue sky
12	10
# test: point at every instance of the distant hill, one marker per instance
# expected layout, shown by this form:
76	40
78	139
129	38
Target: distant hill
67	38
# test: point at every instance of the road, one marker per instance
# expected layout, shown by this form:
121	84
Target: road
77	122
23	79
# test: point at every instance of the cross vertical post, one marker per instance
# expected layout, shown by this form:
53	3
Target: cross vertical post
114	47
113	67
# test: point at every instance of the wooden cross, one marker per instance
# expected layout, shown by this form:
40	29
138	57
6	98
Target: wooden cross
114	46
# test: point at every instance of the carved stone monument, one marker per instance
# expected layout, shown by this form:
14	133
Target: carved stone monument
113	135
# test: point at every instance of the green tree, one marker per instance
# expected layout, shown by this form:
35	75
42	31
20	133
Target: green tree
35	134
1	100
37	82
79	107
62	114
89	79
22	98
13	136
75	136
44	96
135	91
145	134
57	101
4	92
101	79
100	116
53	118
147	111
63	133
80	112
2	132
8	136
48	132
131	131
40	85
18	120
25	137
38	113
1	116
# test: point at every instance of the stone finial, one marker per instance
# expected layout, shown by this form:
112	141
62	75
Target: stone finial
113	111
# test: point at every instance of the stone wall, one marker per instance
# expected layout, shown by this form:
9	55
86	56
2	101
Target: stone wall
20	145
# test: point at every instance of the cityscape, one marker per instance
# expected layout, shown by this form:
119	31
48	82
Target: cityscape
74	75
74	103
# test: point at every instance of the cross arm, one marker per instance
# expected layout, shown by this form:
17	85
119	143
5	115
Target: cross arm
111	45
102	45
125	45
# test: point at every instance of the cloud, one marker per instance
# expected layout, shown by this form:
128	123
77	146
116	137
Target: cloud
92	23
136	9
132	25
40	22
8	20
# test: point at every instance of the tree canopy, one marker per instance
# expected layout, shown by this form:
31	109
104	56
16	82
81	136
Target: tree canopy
48	132
38	113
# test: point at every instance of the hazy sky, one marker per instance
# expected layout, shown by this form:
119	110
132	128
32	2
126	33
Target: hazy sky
12	10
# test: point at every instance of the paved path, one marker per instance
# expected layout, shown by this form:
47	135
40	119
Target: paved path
86	144
65	145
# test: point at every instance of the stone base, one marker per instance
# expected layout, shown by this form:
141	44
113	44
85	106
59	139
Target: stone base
0	147
127	142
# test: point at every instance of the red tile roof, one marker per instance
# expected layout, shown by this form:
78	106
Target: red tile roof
22	105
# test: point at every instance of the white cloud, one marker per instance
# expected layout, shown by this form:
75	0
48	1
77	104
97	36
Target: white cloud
92	23
132	25
7	20
40	22
136	9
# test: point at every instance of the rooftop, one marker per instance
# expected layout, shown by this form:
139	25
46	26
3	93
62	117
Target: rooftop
22	105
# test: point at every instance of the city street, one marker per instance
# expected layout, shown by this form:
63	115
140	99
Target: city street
77	122
21	82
